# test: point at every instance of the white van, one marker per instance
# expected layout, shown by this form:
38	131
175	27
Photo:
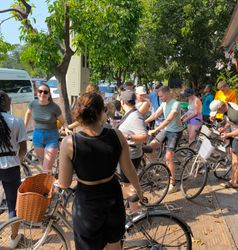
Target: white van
17	84
53	84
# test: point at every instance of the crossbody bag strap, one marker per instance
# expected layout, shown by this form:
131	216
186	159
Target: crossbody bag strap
125	116
2	154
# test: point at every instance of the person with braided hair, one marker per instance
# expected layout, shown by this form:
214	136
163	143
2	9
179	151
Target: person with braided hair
12	150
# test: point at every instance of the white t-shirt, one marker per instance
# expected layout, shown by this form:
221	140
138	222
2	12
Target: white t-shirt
233	125
18	134
134	124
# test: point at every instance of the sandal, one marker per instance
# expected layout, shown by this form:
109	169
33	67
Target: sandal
228	185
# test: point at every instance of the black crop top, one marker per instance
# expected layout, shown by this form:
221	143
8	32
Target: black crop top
96	158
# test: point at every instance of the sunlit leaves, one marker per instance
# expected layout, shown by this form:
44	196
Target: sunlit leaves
4	48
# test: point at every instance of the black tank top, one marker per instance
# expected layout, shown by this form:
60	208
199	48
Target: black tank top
96	158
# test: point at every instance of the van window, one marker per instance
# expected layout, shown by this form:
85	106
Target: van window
17	84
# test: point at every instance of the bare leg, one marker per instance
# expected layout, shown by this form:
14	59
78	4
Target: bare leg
113	246
169	156
192	132
155	144
49	159
234	175
40	154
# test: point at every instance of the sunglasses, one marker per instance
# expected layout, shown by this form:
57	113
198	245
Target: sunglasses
46	92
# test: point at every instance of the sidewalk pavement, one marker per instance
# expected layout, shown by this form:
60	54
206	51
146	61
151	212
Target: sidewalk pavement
212	216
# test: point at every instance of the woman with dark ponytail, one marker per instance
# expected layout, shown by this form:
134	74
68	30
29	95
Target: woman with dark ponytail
94	153
12	150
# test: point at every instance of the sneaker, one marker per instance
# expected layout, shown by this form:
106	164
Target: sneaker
14	242
172	189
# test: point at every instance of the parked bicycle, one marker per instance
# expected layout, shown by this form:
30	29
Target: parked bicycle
153	228
29	167
212	156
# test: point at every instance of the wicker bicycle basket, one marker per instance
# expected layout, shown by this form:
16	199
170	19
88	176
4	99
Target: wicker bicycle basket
34	196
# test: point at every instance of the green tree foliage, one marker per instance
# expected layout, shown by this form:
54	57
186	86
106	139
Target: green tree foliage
4	48
104	28
196	35
13	60
111	35
181	37
230	77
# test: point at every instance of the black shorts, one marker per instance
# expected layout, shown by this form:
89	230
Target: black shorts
136	163
98	215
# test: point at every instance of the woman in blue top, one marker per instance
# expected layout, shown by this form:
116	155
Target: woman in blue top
206	100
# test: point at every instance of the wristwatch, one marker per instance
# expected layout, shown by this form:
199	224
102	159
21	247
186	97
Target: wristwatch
128	137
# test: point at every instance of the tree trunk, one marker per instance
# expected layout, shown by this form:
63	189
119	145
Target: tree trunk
61	77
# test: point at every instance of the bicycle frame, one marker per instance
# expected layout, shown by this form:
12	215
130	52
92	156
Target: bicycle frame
193	166
52	219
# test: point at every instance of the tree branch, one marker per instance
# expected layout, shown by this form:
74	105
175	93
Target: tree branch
67	30
21	14
5	20
27	6
12	9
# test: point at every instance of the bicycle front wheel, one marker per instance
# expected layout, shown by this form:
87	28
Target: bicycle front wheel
181	155
222	170
195	145
194	178
32	237
154	181
158	231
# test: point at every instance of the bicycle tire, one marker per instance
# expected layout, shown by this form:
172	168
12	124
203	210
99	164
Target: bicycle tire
193	182
32	236
154	181
32	161
180	157
25	170
3	202
222	170
195	145
157	230
183	142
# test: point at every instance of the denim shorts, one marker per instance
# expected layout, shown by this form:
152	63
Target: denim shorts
234	145
171	139
46	138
